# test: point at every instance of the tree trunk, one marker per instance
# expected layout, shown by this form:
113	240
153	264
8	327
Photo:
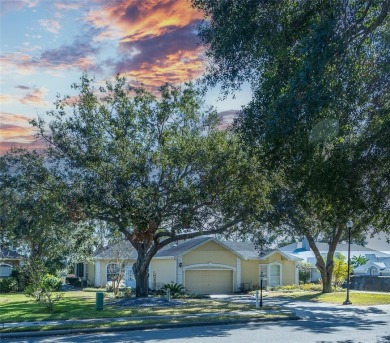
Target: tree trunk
326	269
326	275
141	268
141	273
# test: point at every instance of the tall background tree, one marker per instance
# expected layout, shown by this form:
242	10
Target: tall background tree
34	217
319	72
155	168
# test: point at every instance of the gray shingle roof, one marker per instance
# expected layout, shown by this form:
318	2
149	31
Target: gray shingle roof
6	253
125	250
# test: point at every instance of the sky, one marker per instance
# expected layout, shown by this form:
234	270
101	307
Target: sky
46	45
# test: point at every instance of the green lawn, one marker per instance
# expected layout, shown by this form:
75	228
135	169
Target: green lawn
81	305
362	299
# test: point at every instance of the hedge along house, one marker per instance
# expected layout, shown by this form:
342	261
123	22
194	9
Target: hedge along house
202	265
9	259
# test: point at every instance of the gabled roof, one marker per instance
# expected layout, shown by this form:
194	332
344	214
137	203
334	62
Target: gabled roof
284	254
244	250
324	247
8	254
181	247
382	263
123	250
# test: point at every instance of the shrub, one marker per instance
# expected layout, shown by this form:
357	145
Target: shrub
44	291
304	271
9	284
246	287
124	292
311	287
51	283
289	288
175	288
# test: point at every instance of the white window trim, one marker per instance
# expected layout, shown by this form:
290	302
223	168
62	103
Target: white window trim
108	264
280	272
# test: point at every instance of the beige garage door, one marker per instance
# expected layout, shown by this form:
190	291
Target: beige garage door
209	281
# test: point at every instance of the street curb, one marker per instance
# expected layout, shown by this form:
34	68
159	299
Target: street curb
139	327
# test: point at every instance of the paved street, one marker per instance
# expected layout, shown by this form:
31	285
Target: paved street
341	331
322	323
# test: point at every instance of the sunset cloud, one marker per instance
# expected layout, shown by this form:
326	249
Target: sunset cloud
227	118
15	131
78	56
67	5
35	97
173	57
7	6
132	20
50	25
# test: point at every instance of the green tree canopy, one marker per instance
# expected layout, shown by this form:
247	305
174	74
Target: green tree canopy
155	167
319	71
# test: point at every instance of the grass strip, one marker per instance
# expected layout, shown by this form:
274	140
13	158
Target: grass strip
151	322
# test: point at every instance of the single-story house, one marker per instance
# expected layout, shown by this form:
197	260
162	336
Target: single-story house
375	266
8	260
202	265
302	250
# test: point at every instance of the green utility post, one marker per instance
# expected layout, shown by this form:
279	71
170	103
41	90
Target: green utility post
99	300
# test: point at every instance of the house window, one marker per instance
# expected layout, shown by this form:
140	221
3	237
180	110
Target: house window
5	270
112	271
275	273
80	269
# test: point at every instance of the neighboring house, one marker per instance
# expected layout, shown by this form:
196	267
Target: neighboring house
8	260
303	251
202	265
375	266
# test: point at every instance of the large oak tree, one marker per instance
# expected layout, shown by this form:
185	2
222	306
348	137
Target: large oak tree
319	72
157	168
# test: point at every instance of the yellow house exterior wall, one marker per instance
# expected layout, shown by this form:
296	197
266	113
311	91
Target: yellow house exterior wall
90	267
250	271
210	252
288	276
165	272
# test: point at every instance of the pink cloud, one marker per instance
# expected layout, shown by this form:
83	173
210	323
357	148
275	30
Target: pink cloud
35	97
50	25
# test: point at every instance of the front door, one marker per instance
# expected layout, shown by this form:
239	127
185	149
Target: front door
129	277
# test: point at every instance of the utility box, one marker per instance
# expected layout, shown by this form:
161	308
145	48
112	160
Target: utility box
99	300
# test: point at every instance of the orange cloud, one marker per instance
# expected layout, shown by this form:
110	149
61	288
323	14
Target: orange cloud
132	20
15	129
173	68
8	99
